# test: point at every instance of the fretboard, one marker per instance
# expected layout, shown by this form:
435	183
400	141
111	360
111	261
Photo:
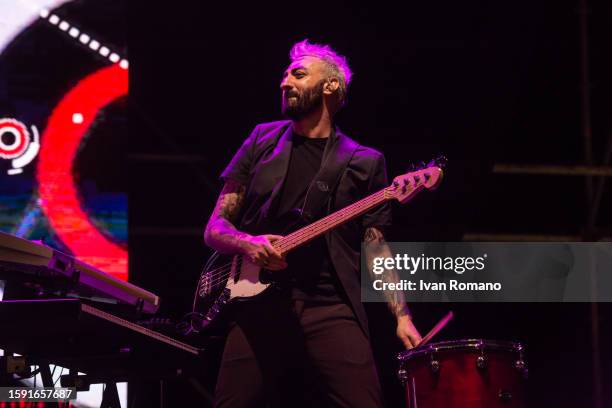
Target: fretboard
320	227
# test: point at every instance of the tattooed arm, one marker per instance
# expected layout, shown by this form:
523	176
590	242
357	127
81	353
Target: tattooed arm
377	247
222	235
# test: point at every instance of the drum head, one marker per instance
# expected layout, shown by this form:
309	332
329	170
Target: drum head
461	345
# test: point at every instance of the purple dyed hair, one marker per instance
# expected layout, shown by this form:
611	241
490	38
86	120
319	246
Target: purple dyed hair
336	65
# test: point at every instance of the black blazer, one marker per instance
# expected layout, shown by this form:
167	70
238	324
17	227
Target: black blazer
261	165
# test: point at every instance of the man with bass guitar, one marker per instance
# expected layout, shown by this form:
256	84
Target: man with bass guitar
304	343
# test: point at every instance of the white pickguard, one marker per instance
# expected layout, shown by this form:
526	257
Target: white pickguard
248	283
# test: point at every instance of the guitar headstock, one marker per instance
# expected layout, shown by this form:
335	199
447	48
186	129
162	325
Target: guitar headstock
429	176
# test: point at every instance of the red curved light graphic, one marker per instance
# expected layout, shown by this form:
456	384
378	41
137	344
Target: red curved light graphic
57	189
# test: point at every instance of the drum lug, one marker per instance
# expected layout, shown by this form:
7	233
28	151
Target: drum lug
481	362
402	374
504	395
521	367
434	365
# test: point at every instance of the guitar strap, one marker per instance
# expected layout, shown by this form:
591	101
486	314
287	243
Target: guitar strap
337	155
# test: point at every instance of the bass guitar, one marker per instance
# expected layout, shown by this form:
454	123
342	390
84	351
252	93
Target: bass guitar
230	278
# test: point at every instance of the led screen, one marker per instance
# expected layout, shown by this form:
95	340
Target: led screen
63	87
63	132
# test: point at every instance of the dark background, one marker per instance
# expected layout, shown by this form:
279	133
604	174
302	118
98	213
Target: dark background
482	82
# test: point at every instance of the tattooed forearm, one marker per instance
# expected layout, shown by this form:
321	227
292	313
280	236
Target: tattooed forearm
230	201
372	235
377	247
220	233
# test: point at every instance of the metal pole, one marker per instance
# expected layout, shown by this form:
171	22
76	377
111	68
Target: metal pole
585	96
599	188
583	11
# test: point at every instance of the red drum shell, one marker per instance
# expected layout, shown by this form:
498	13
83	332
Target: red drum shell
447	374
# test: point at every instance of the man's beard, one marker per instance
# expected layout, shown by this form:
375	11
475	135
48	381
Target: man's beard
310	100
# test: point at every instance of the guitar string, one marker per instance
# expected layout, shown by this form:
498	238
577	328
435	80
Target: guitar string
294	239
335	219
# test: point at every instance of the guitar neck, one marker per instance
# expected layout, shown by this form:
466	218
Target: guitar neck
320	227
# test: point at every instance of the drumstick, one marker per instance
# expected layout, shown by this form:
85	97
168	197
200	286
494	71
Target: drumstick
439	326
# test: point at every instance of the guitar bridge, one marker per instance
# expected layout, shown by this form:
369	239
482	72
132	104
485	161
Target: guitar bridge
205	284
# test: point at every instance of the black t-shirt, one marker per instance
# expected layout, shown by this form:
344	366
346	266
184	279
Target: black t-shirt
310	267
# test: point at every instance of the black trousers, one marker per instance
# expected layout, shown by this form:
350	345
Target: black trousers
284	353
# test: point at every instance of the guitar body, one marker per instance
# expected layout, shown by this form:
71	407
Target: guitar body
225	279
